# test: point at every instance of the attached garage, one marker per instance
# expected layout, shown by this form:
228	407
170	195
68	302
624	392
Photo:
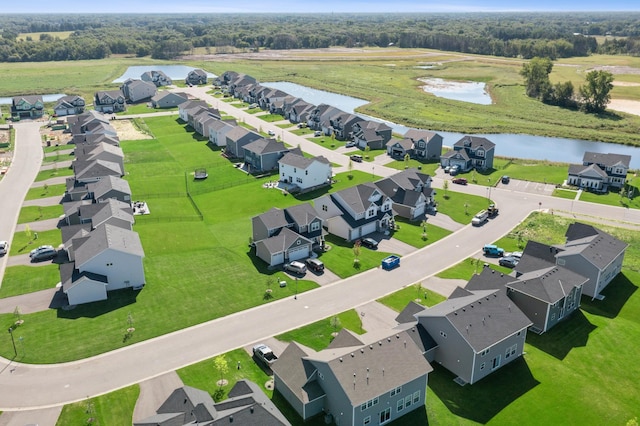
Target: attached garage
300	252
82	287
368	228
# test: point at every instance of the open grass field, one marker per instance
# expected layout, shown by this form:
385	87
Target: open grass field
114	408
62	35
27	279
42	192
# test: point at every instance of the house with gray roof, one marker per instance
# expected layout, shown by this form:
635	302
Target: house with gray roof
93	171
352	382
305	173
86	154
355	212
135	90
369	133
109	101
600	171
157	77
319	117
27	107
78	123
470	152
196	77
69	105
263	154
218	130
476	332
166	99
427	145
111	187
398	148
95	138
108	251
410	191
286	246
187	109
342	125
237	138
246	405
111	211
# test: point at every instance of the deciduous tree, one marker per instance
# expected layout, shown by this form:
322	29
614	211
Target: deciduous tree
596	92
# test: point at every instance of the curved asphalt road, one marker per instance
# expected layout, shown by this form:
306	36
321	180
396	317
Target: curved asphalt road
37	386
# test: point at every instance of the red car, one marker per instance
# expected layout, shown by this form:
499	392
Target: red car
460	181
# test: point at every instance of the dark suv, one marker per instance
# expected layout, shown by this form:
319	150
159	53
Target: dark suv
369	243
43	254
315	265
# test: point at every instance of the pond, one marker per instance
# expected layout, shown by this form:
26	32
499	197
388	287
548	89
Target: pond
465	91
175	72
47	98
507	144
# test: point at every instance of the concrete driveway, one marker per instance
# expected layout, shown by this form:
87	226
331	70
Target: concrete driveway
153	393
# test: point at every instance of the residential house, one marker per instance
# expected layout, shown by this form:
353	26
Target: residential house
342	125
399	148
305	173
426	145
476	332
196	77
75	191
93	171
165	99
96	138
69	105
158	78
138	90
246	405
319	117
218	130
186	109
600	171
297	110
355	212
237	138
305	221
410	191
111	211
262	155
78	123
373	134
108	252
201	121
109	101
470	152
270	96
110	187
27	107
286	246
353	383
546	296
87	154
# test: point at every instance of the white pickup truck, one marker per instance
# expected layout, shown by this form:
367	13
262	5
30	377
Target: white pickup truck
265	354
480	218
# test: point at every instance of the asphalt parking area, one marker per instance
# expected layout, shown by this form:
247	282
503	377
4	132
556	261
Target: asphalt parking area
526	186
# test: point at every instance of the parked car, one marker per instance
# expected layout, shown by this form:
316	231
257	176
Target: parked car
506	179
350	144
357	158
459	181
317	133
264	354
39	249
315	265
454	170
369	243
516	254
271	133
4	247
508	261
446	169
253	106
296	267
492	250
302	125
45	254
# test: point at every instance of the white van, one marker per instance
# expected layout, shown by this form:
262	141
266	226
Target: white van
296	267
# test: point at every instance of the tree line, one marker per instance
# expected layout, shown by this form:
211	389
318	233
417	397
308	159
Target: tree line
524	35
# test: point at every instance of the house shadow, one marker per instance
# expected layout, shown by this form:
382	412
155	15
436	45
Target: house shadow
615	297
213	147
312	195
481	401
260	265
558	342
117	300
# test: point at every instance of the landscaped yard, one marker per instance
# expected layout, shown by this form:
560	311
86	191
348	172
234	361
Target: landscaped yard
414	293
23	243
610	198
114	408
318	335
459	206
53	173
411	232
340	257
27	279
46	191
37	213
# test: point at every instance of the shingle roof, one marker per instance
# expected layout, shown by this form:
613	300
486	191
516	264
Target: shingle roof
549	285
301	214
475	142
345	339
600	249
407	315
106	237
283	241
110	183
536	256
417	134
592	171
265	146
294	160
607	159
294	371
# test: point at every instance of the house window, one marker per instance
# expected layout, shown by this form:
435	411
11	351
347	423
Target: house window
496	362
385	415
314	226
400	405
484	364
395	391
371	213
443	334
324	207
321	376
511	351
306	172
299	179
486	351
416	397
366	420
407	401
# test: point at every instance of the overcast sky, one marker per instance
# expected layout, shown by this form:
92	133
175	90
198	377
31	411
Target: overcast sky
301	6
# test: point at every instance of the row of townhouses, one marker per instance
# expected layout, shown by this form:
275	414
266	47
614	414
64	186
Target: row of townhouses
381	376
97	231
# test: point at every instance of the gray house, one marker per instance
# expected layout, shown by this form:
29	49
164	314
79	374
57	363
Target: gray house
93	171
237	138
262	155
111	187
69	105
196	77
165	99
470	152
373	134
410	191
246	405
353	383
600	171
426	145
109	101
138	90
476	332
158	78
218	130
27	107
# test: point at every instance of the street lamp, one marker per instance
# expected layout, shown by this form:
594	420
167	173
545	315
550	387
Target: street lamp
295	296
15	351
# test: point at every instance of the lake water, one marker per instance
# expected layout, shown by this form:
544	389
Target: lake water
465	91
507	144
45	98
175	72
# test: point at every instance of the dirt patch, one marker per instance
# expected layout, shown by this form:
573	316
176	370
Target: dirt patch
127	131
625	84
615	69
625	105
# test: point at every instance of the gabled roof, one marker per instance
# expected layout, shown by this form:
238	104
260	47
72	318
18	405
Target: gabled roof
295	371
30	99
107	184
608	160
99	169
599	249
357	197
295	160
111	208
345	339
475	142
109	94
69	276
488	279
74	231
265	146
417	134
106	237
536	256
592	171
405	144
407	315
301	214
481	317
283	241
166	94
274	218
549	285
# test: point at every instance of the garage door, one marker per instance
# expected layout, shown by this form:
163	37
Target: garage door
418	211
299	253
368	228
277	259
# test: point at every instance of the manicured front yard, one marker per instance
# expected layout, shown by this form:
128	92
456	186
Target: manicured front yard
23	243
453	203
37	213
414	293
46	191
22	279
340	257
114	408
611	199
411	232
53	173
318	335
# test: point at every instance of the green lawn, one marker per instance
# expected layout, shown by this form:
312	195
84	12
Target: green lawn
452	204
467	268
340	257
54	148
610	198
46	191
57	158
427	168
23	243
114	408
37	213
415	293
48	174
565	193
318	335
27	279
411	232
270	118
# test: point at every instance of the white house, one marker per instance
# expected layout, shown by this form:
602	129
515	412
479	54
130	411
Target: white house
304	172
218	130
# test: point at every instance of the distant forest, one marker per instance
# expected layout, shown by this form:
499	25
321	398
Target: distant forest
524	35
